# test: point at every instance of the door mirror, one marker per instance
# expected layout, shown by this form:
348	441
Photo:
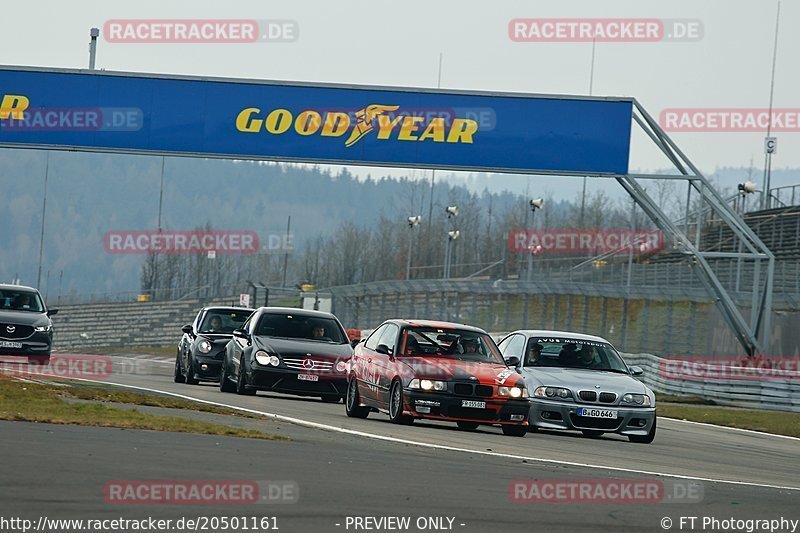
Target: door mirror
51	312
354	343
512	360
188	329
385	350
240	333
636	371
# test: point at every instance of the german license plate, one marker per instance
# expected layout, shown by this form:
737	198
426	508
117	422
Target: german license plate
308	377
597	413
7	344
474	404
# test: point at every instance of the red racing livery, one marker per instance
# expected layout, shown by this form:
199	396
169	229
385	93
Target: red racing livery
436	370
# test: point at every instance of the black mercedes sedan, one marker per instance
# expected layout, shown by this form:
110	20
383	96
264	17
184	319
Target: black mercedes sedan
25	325
202	345
295	351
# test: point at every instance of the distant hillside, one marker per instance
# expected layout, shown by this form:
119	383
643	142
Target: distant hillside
90	194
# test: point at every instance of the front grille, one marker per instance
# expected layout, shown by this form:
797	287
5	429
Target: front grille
586	422
588	395
463	389
484	390
20	332
302	364
466	412
607	397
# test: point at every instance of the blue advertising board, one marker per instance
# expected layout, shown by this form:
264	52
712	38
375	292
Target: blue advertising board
251	119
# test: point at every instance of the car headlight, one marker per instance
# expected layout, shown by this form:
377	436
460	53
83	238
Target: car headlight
427	385
204	347
552	392
263	358
513	392
42	329
341	366
637	399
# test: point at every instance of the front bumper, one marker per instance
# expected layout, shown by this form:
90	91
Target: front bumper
206	368
39	344
445	406
285	380
554	414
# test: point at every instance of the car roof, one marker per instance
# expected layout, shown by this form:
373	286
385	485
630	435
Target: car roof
435	324
226	308
297	311
8	286
556	333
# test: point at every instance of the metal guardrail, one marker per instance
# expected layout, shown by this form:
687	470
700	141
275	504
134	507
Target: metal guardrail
775	393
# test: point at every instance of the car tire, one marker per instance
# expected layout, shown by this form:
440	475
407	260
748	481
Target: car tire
396	415
591	433
515	431
179	378
331	398
241	382
465	425
190	372
225	384
645	439
352	402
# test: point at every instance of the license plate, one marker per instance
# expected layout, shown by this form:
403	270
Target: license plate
474	404
6	344
308	377
597	413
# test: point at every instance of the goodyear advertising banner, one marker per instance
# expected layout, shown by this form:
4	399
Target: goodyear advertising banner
244	119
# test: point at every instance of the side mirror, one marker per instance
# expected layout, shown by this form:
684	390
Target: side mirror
512	360
385	350
240	333
51	312
354	343
188	329
636	371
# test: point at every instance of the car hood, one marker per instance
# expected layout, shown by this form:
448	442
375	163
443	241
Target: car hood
302	348
439	368
578	379
24	318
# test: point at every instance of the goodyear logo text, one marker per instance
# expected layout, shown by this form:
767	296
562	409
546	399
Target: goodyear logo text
386	120
13	107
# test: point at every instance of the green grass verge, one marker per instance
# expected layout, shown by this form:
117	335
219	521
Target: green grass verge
34	402
779	423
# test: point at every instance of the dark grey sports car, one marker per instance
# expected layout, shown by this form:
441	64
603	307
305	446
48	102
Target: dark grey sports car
296	351
202	345
25	325
580	382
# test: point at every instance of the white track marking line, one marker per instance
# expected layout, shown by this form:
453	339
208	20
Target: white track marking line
715	426
317	425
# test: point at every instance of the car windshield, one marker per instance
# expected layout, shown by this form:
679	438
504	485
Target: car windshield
459	344
223	320
298	326
21	300
573	353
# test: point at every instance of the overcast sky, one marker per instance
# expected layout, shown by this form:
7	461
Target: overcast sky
398	43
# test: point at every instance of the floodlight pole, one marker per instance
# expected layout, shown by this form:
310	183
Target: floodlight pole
94	33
